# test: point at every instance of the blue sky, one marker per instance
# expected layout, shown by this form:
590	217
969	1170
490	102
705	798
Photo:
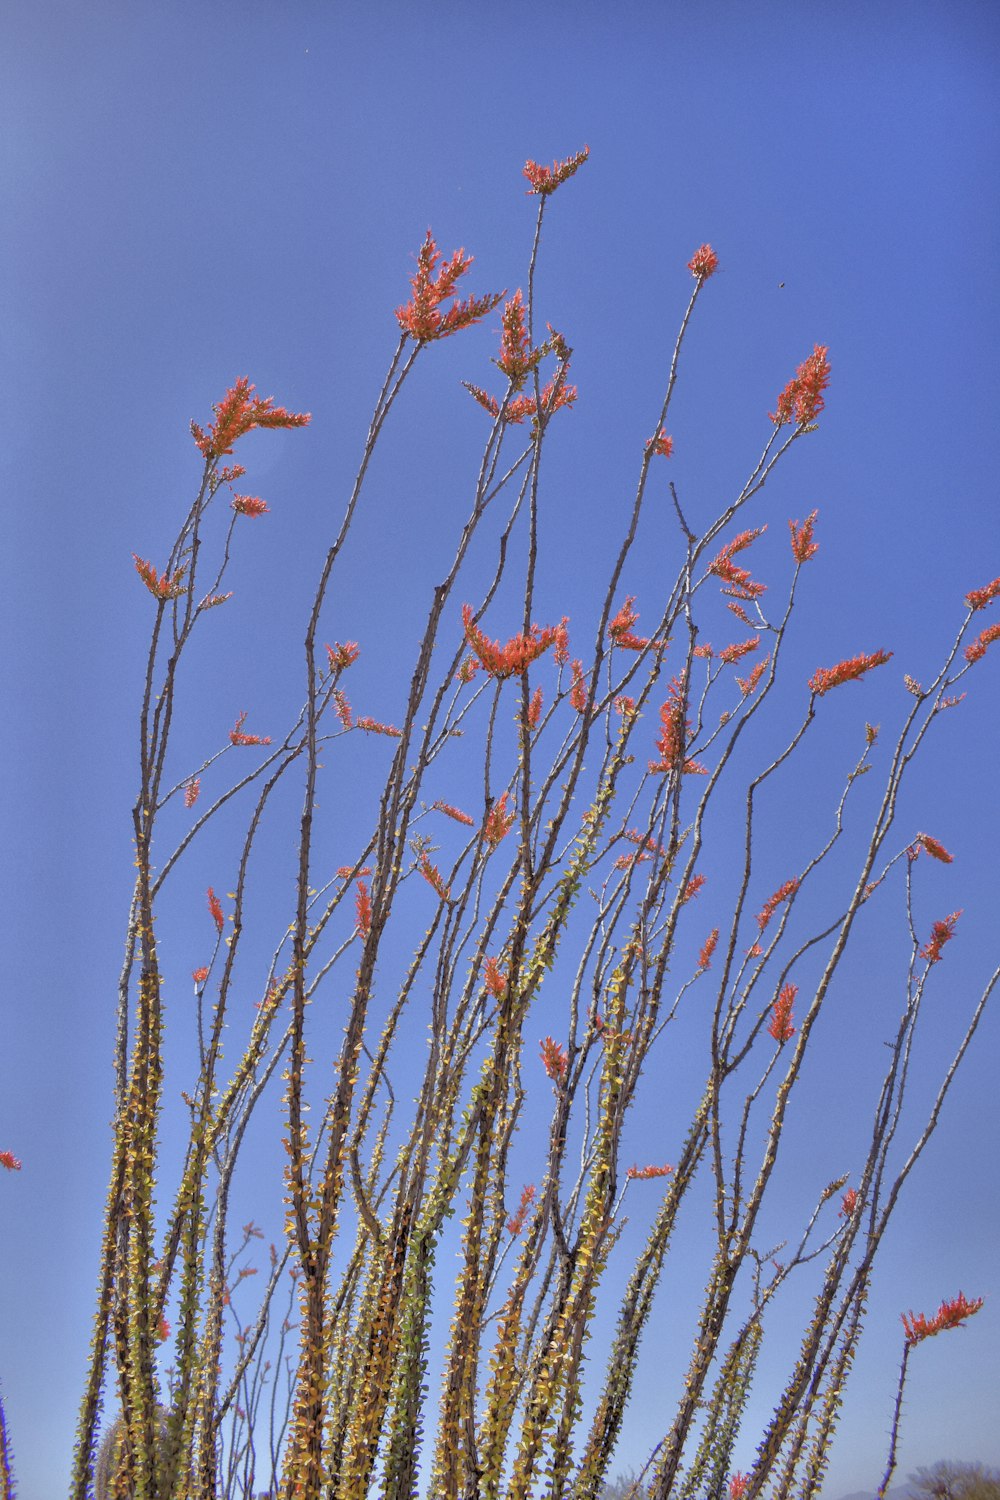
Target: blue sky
194	192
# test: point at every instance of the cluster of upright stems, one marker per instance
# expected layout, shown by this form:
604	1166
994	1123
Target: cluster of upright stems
555	882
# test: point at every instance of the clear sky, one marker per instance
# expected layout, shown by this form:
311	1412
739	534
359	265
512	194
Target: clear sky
195	191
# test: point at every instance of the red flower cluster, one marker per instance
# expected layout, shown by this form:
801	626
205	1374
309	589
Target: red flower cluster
672	741
747	685
434	878
454	812
935	848
237	737
780	1025
422	317
374	726
703	263
191	790
578	690
802	397
772	903
250	505
917	1326
498	822
941	933
848	1204
215	907
708	948
734	653
803	546
535	708
545	180
238	412
10	1161
737	1486
517	358
692	887
741	585
516	1221
495	979
979	598
554	394
846	671
199	975
554	1060
160	585
977	648
644	1174
620	629
513	659
340	656
661	444
363	909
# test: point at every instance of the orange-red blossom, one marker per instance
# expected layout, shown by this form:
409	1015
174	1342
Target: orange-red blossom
516	1221
644	1174
941	932
238	412
422	317
554	1060
977	648
237	737
513	659
160	585
703	263
215	907
953	1314
545	180
846	671
780	1025
10	1161
802	397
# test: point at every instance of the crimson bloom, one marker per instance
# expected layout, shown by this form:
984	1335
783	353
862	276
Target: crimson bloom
554	1060
780	1025
662	444
545	180
846	671
237	737
160	585
513	659
495	979
250	505
422	317
620	628
215	907
941	932
708	948
953	1314
516	1221
803	546
802	397
10	1161
239	412
644	1174
979	598
363	909
499	822
703	263
977	648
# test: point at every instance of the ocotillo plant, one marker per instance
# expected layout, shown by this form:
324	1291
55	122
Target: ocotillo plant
543	820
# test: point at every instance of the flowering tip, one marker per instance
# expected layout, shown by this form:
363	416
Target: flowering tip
979	598
554	1060
545	180
703	263
10	1161
422	317
237	736
846	671
239	412
802	398
953	1314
